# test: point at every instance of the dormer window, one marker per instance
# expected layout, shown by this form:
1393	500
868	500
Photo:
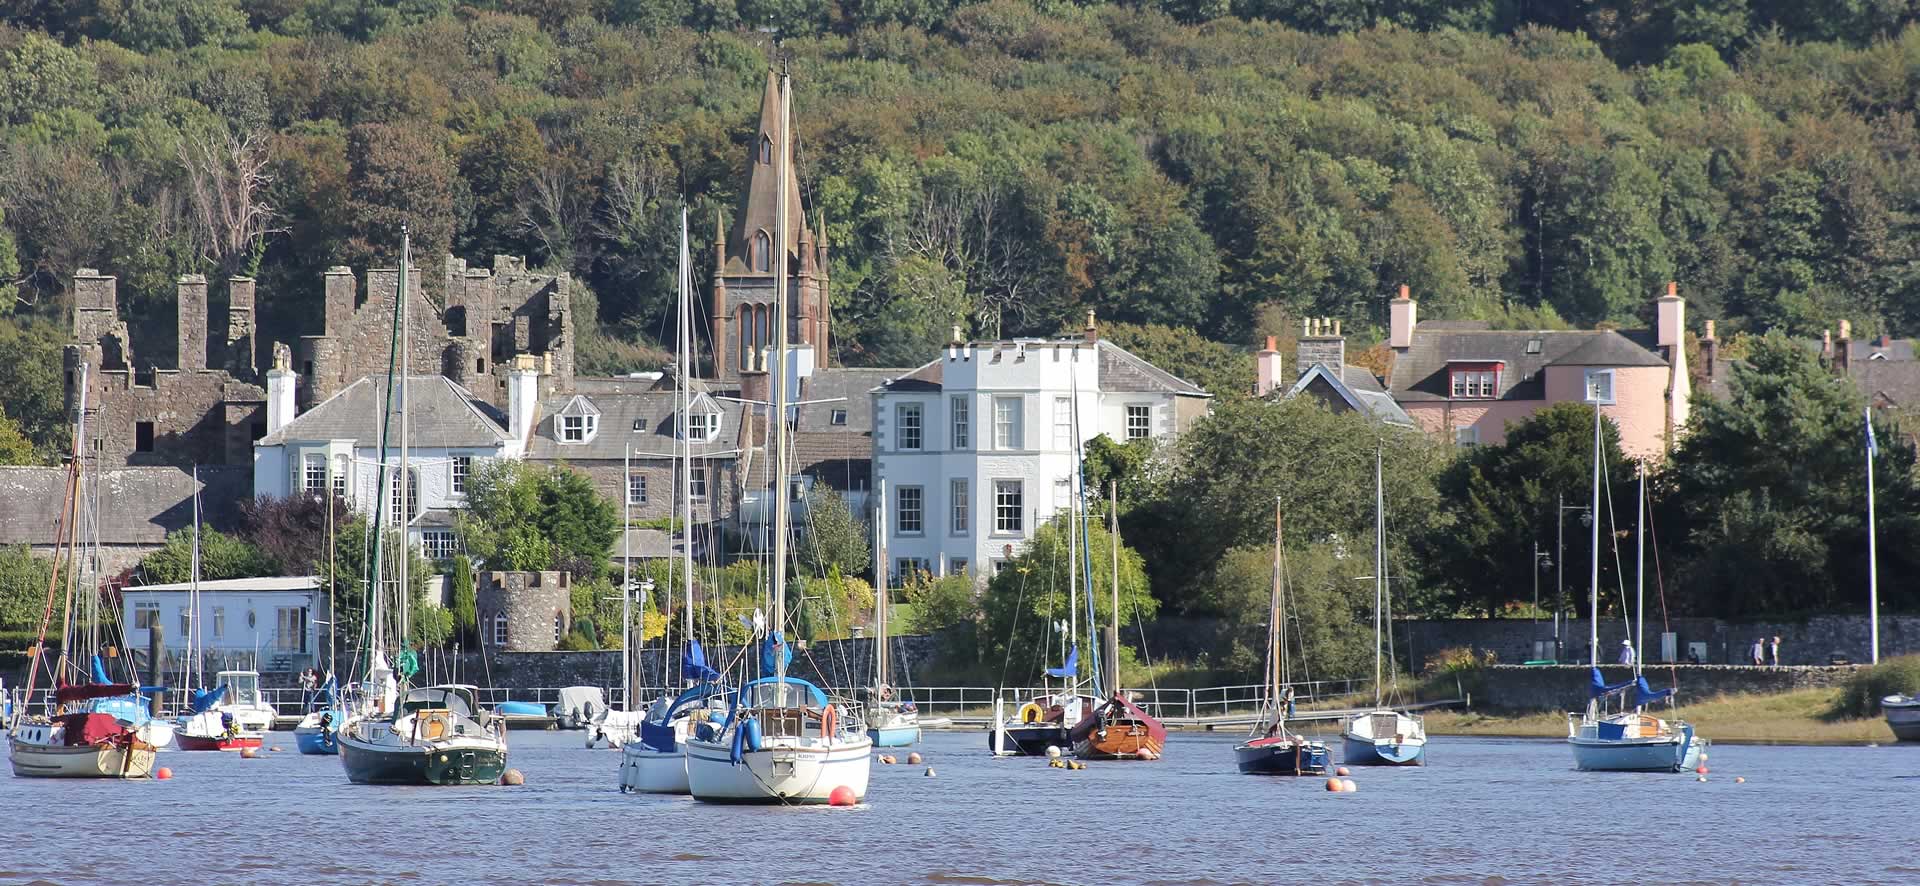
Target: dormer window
1474	380
702	426
578	421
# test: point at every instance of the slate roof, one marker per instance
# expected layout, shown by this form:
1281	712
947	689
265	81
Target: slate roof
1121	371
296	583
138	505
650	402
439	413
1375	402
1420	372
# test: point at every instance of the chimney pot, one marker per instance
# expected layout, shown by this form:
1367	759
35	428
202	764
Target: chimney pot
1846	330
1093	332
1709	335
1273	344
1673	289
1404	292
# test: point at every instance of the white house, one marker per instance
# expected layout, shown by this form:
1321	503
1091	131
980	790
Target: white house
977	448
267	624
336	446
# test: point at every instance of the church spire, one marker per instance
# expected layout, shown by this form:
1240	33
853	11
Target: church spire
750	243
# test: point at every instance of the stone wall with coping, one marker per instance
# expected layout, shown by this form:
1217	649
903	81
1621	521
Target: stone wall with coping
1522	689
827	663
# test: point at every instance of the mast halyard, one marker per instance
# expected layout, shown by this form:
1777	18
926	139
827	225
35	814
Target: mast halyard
1640	574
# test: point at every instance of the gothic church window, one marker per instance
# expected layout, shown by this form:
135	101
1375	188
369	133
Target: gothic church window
762	252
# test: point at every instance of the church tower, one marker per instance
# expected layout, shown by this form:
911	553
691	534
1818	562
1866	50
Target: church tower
743	295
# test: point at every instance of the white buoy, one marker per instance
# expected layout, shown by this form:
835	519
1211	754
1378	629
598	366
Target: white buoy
1053	752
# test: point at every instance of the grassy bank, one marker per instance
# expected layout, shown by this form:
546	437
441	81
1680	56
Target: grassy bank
1790	717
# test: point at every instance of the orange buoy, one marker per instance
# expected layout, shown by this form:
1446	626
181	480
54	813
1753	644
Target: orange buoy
275	749
915	758
1342	771
1740	780
1700	770
1347	786
249	753
513	778
1334	786
842	796
163	773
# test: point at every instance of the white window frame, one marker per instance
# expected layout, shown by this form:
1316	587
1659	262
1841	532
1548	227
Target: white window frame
1063	423
702	427
1474	384
1009	520
959	507
578	428
697	484
394	516
636	489
837	417
439	544
961	418
909	431
339	477
1466	437
1006	423
957	565
313	474
1139	421
1603	378
219	622
500	629
459	469
145	616
905	567
910	518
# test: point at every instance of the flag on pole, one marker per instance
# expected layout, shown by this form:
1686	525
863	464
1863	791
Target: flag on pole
1873	448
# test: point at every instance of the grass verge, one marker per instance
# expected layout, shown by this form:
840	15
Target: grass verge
1788	718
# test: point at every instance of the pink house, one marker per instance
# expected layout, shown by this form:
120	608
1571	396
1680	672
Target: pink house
1467	383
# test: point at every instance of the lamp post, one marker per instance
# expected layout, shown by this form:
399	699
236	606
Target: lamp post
1560	557
1541	563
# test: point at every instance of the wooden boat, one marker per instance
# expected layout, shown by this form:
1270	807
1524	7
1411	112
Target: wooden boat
1285	753
82	745
1118	730
1272	748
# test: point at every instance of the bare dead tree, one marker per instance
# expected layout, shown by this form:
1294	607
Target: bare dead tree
227	181
555	213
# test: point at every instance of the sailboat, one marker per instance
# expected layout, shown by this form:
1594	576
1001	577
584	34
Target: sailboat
1272	748
891	722
783	741
210	724
1628	740
72	741
1382	736
430	735
316	733
656	763
1117	729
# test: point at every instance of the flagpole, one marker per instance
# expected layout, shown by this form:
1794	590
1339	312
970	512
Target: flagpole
1873	559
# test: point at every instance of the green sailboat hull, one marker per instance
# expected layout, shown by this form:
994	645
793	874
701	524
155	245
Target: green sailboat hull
421	766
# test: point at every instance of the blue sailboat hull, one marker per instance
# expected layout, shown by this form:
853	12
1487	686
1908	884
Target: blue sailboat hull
316	743
1281	758
1362	752
894	736
1677	753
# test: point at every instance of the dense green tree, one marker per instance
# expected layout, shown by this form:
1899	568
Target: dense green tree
1031	592
525	517
466	614
835	541
15	448
401	175
24	579
221	556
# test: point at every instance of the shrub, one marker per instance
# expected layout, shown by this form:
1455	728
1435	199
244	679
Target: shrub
1455	659
1861	694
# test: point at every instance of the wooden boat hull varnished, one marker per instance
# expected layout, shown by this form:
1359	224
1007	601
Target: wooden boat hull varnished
1118	730
83	761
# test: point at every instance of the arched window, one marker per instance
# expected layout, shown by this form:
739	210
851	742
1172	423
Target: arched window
500	629
762	252
746	337
762	334
559	625
766	150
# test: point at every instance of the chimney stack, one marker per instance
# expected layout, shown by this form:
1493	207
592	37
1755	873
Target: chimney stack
1671	311
523	399
1093	332
1403	313
1843	349
239	344
280	389
1267	368
1322	343
192	304
1709	347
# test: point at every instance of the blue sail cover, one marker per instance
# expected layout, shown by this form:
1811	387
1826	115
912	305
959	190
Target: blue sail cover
203	699
693	665
1067	670
774	653
1602	688
1644	694
100	671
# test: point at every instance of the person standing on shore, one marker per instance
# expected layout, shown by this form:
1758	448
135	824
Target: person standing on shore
1759	652
1774	649
1626	652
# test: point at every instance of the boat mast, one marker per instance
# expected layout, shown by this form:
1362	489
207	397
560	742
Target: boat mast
1379	567
685	386
626	580
1276	635
193	593
1593	595
1113	530
778	425
403	595
881	580
1640	575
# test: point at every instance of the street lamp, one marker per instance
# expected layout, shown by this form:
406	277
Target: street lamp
1560	556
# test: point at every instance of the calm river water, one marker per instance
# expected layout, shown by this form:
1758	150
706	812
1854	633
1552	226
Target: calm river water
1485	811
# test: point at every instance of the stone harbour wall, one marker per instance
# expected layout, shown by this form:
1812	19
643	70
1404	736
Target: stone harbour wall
841	663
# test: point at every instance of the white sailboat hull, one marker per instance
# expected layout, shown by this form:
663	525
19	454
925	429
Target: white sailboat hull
644	770
1675	749
1903	716
786	771
39	752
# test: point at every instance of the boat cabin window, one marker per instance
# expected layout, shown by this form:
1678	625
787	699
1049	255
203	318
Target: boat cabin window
241	688
437	697
776	695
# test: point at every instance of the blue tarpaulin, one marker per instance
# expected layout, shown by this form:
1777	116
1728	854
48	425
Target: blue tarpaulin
1066	671
1602	688
203	699
1644	694
100	671
774	653
693	665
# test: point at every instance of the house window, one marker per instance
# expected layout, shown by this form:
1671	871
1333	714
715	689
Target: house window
186	621
702	426
313	477
766	150
1599	387
906	513
1063	423
956	566
962	430
339	479
577	428
639	424
906	569
462	467
998	565
1474	384
219	622
290	629
1009	506
957	491
907	418
837	417
1062	493
412	500
143	436
796	490
1468	436
636	489
1006	423
146	616
438	544
697	484
762	251
499	629
1139	422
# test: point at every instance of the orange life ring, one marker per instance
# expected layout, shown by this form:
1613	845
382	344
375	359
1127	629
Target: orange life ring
827	722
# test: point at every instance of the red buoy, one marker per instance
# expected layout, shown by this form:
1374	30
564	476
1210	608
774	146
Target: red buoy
163	773
1701	770
1342	771
842	796
1334	786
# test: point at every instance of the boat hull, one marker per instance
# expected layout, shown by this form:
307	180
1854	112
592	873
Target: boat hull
779	774
644	770
83	761
894	736
216	743
1358	751
1031	741
1282	757
1674	753
314	741
1903	717
421	765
